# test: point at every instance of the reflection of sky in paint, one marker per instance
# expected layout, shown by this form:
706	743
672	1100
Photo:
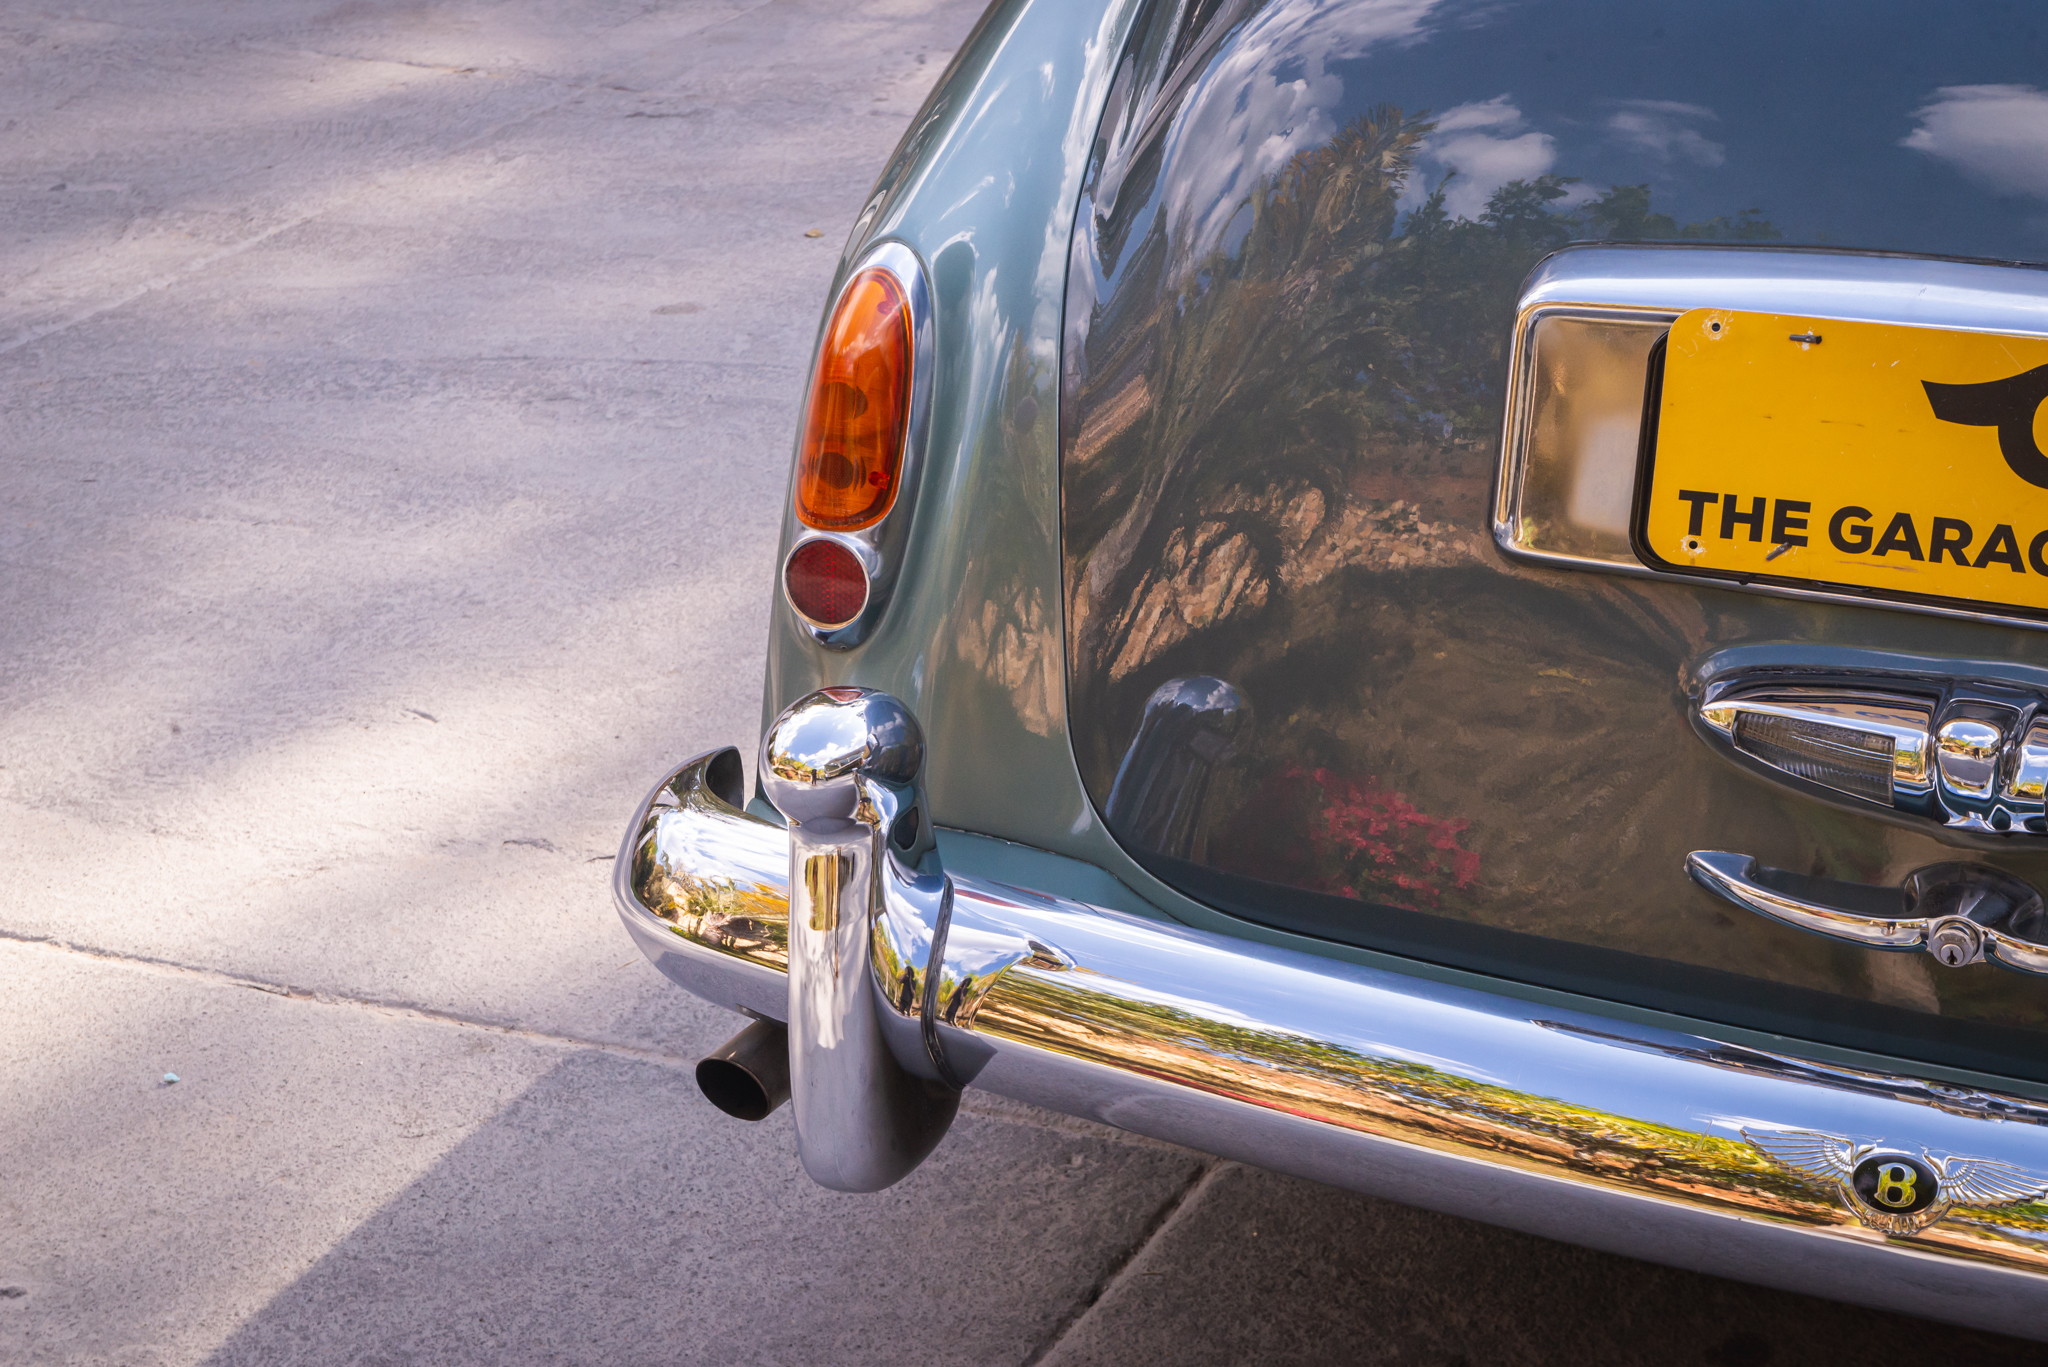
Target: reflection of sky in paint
1276	89
1487	143
1886	124
1995	134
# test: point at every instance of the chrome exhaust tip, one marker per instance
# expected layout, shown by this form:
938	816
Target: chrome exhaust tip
748	1076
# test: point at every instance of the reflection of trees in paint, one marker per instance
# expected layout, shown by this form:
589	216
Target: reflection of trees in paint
1267	440
1333	345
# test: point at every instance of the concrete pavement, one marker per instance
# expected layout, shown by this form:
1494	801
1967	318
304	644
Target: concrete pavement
395	404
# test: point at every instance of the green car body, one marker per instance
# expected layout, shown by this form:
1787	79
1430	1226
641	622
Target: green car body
1535	705
984	189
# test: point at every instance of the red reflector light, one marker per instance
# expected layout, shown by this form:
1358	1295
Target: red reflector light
852	450
825	583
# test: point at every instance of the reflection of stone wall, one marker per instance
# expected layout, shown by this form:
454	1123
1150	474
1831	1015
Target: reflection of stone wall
1213	569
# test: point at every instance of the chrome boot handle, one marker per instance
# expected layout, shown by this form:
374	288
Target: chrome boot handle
1960	913
842	766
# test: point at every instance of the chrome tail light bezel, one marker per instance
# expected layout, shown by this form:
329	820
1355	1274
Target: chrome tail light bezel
880	547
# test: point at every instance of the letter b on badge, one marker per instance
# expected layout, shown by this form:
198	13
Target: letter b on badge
1895	1184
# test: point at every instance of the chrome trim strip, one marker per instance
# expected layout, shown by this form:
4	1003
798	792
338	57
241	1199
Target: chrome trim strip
1657	283
1564	1124
1858	287
880	547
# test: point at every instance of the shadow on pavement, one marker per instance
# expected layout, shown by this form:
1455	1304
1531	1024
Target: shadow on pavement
1263	1268
570	1229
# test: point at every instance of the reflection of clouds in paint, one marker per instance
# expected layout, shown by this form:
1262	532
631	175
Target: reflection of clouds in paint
1488	144
1995	134
1272	95
1665	129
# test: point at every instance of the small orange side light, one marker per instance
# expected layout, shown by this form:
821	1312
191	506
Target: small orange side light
852	451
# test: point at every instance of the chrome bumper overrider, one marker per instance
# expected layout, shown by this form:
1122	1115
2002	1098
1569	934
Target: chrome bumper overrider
1638	1140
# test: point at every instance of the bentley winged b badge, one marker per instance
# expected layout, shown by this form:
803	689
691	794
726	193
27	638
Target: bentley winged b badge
1892	1190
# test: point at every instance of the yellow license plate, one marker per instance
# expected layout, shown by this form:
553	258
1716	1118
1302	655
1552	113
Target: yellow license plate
1903	461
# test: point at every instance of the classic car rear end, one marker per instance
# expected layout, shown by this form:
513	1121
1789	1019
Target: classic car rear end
1445	599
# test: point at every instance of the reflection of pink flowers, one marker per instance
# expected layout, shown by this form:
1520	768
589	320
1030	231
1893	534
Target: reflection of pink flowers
1362	839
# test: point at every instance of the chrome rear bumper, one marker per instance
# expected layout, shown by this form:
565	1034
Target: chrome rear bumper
1640	1141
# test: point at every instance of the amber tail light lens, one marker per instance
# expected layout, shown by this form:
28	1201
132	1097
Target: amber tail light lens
825	582
852	450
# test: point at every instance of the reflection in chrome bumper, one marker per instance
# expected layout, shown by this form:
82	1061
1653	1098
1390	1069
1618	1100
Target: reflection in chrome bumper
1578	1127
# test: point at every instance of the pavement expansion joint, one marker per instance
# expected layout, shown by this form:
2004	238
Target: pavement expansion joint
1169	1214
379	1006
155	283
983	1105
501	73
